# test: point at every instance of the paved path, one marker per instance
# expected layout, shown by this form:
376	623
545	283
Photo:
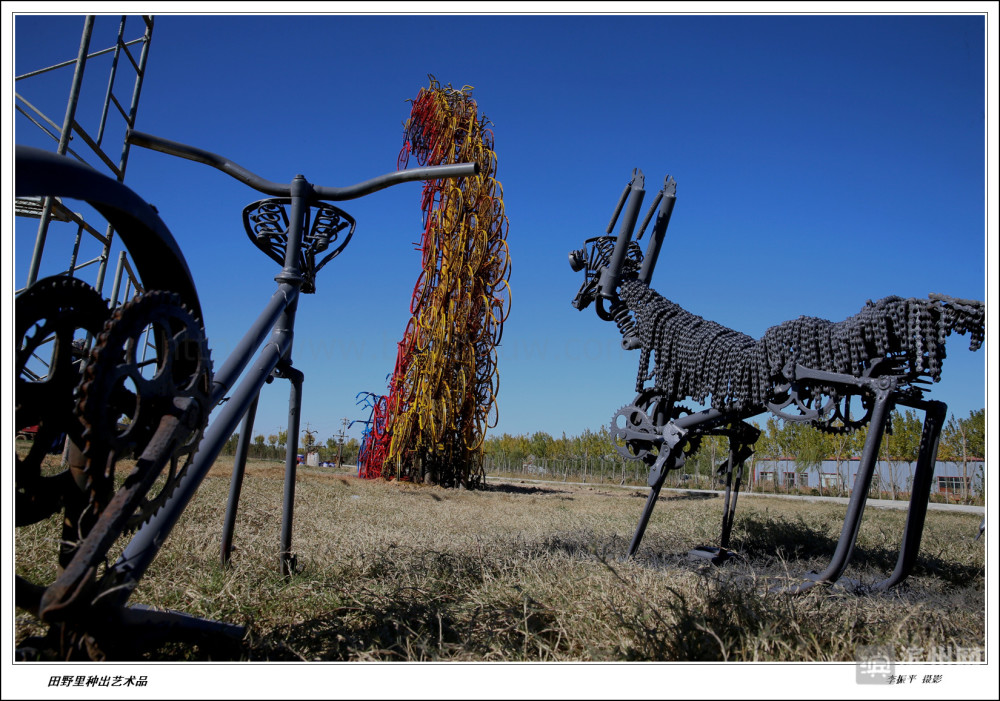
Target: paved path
876	503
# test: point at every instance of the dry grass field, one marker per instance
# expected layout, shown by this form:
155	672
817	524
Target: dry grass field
529	572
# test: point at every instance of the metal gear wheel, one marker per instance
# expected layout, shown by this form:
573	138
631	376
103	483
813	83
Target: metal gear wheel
53	320
648	413
628	425
152	352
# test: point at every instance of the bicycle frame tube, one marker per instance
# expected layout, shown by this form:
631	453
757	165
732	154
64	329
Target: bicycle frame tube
251	341
145	544
273	359
278	316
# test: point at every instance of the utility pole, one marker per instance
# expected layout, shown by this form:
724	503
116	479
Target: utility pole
340	443
308	440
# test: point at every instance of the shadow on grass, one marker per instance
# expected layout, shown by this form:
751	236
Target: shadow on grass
402	605
432	495
439	620
374	627
769	544
518	489
760	536
689	496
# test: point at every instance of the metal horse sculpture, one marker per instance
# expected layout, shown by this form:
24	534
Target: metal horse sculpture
837	377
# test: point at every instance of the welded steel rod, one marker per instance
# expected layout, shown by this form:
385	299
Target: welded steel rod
659	230
647	511
285	556
236	481
64	137
234	365
920	493
859	498
611	275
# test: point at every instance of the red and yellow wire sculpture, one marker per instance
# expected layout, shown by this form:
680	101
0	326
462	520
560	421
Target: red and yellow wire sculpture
443	390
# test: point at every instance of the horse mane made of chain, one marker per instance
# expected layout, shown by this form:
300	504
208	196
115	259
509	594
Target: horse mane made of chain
696	358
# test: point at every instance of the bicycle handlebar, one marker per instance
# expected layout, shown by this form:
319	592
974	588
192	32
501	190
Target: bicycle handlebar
174	148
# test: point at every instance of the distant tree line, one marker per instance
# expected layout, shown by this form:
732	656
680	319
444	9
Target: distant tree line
591	456
273	447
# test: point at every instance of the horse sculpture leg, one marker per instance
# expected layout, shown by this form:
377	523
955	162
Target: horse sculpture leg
920	492
675	433
732	494
640	529
884	401
657	475
738	455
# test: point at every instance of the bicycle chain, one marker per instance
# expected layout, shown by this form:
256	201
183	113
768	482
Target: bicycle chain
695	358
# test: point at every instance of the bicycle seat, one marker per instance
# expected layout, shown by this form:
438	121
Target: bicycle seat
266	223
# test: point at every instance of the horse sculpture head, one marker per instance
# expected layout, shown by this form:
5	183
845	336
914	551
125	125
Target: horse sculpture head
608	261
593	259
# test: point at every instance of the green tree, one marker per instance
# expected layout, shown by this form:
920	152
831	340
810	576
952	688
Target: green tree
901	445
540	444
842	447
858	440
908	442
977	432
962	439
714	450
329	452
349	455
594	449
773	445
809	447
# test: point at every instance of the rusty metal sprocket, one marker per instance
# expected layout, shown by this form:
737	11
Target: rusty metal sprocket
151	353
629	428
829	408
53	319
841	420
648	413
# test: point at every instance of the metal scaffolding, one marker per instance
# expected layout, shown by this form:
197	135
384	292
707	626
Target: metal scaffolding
128	58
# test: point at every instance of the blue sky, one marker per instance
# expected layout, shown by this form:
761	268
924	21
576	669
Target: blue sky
821	161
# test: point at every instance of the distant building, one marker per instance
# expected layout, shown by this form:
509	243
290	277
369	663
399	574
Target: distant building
948	475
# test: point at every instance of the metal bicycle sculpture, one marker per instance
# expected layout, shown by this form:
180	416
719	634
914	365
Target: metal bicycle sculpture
375	438
118	401
837	377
